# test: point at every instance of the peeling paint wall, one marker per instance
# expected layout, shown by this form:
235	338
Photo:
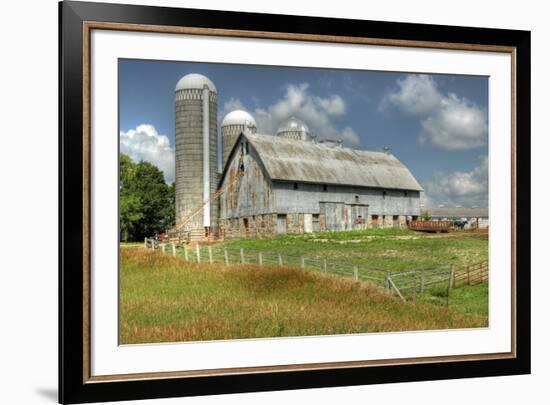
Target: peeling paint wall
253	193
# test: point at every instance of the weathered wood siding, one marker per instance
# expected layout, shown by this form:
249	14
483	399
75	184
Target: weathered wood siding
252	194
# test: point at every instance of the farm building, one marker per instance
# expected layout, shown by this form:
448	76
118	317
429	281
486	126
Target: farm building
292	185
289	182
472	218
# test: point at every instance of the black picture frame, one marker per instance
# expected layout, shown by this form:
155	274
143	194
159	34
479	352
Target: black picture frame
73	387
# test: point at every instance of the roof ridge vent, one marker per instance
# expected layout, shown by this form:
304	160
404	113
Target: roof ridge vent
332	143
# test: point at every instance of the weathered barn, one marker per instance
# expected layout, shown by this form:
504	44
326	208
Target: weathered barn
293	185
290	182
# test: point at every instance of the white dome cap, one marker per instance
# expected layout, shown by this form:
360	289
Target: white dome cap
195	81
294	128
294	125
239	117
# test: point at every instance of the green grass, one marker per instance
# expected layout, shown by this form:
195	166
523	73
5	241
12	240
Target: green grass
466	299
165	299
393	249
131	244
385	249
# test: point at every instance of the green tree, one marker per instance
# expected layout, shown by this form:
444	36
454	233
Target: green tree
147	203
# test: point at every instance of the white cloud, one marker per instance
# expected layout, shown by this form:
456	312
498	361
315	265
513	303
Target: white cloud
447	121
416	95
465	189
317	112
145	143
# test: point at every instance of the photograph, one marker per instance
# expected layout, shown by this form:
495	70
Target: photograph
271	201
254	201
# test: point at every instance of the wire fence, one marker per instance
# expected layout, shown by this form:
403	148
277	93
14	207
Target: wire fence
402	283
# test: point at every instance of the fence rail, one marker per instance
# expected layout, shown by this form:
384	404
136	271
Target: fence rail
472	274
402	283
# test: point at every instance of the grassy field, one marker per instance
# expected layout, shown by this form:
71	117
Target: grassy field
384	248
165	299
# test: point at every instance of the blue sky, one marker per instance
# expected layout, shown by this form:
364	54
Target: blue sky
435	124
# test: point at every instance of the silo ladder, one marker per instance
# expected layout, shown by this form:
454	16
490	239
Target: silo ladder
213	197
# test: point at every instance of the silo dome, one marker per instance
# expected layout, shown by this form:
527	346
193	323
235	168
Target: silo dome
294	129
234	124
239	117
195	81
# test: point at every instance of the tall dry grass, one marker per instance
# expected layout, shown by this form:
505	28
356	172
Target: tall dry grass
165	299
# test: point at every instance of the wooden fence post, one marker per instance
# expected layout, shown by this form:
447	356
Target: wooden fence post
163	248
280	259
198	249
210	254
325	265
422	281
468	272
260	261
388	286
242	255
226	257
303	264
185	254
173	249
145	243
451	276
355	273
392	284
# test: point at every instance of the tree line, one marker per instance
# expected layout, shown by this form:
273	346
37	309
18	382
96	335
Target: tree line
146	201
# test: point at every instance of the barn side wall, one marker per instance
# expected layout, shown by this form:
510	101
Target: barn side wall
307	197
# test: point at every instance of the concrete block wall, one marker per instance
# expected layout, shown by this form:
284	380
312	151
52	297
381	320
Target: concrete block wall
230	133
189	155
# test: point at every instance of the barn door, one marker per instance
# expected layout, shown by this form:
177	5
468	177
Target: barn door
359	216
334	216
308	223
281	223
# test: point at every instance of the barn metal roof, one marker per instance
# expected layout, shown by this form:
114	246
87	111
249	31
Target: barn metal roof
308	162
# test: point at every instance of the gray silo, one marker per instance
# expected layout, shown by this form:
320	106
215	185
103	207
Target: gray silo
233	125
294	128
196	150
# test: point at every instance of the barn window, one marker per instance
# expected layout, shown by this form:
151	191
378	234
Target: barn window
384	193
325	188
356	198
395	217
295	186
406	194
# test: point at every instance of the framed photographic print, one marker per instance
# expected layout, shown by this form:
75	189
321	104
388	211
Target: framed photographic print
255	202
